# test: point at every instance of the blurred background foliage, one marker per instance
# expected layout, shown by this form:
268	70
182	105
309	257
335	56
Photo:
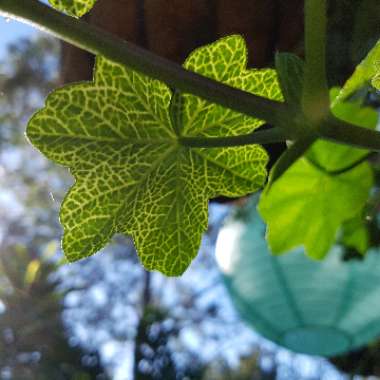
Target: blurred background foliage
105	317
34	342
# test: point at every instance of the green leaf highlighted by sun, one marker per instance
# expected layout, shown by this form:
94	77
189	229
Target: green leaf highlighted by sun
309	203
364	73
307	206
73	7
226	62
133	176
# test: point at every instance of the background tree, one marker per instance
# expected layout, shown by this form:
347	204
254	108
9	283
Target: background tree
35	343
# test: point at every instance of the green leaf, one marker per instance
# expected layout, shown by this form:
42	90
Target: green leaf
331	156
290	69
73	7
355	234
132	174
224	61
363	73
306	206
294	152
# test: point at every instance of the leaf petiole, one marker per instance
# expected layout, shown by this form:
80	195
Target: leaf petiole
289	157
342	132
315	95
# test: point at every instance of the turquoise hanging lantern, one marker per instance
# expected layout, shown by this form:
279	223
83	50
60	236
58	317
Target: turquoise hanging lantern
318	308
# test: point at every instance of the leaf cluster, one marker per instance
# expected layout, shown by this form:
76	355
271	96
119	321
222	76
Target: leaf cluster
146	162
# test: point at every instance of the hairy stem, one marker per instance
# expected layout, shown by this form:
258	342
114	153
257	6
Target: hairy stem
268	136
315	95
99	42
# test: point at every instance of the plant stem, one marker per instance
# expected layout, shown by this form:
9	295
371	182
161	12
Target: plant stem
289	157
315	93
315	97
268	136
99	42
341	132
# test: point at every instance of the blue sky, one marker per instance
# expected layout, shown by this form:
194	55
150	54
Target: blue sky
11	30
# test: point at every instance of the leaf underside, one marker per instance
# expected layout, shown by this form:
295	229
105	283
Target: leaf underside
73	7
119	135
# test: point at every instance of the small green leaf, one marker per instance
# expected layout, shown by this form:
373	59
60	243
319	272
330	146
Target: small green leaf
132	174
73	7
308	205
363	74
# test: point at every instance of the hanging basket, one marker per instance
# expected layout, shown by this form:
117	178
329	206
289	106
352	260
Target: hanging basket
321	308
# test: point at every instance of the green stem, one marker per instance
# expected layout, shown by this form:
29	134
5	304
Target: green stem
268	136
341	132
289	157
99	42
315	95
